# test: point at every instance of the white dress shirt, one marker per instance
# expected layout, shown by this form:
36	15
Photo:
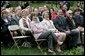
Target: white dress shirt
22	25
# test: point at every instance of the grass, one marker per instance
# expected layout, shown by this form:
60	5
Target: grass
35	51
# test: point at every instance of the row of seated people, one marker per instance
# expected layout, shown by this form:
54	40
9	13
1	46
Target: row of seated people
58	31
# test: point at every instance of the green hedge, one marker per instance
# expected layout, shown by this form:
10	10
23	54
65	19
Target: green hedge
17	3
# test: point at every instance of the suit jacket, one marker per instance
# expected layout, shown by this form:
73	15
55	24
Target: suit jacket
5	35
4	26
11	20
79	20
60	23
70	23
14	20
6	21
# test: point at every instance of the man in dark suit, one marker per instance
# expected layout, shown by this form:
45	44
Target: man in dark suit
61	24
6	21
5	35
79	22
13	19
79	19
9	18
71	24
70	21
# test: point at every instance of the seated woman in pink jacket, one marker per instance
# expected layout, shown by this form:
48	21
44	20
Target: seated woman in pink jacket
41	33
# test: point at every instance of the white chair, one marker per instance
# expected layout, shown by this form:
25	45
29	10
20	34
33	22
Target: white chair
13	28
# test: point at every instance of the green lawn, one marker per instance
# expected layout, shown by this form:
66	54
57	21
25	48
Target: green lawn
35	51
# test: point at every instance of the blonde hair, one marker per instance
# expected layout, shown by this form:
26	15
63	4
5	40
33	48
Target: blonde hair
4	12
